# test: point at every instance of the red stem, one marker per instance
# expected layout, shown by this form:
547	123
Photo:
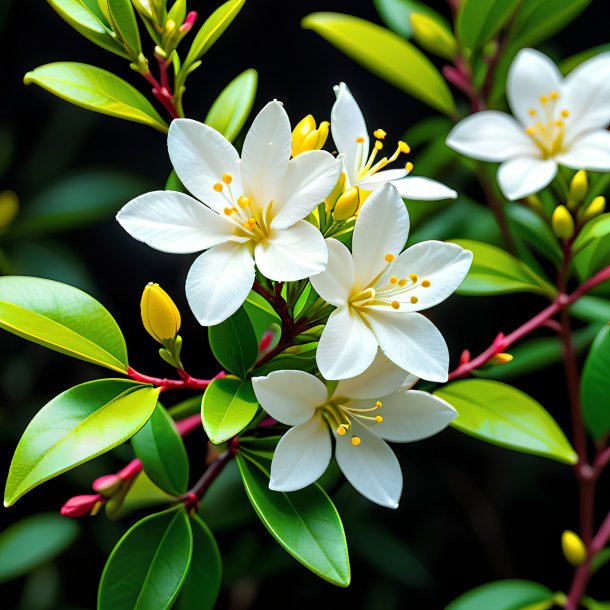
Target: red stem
187	382
162	92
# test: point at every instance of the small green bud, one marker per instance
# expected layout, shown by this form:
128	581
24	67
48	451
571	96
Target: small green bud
562	222
578	189
573	548
433	36
596	207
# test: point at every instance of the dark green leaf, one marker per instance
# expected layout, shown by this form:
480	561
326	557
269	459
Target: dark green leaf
125	25
591	309
480	20
262	315
505	595
528	225
592	247
595	386
298	357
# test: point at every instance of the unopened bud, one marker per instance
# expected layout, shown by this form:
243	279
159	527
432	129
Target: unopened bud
331	200
9	206
433	36
107	485
533	201
573	548
596	207
160	315
79	506
562	222
306	137
142	6
501	358
348	203
578	189
187	26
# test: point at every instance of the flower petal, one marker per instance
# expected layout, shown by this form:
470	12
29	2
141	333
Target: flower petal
524	176
292	254
443	265
301	456
347	124
347	346
590	151
370	183
291	397
381	228
219	281
371	467
174	222
490	136
412	342
423	189
201	156
383	377
531	76
310	178
336	282
266	152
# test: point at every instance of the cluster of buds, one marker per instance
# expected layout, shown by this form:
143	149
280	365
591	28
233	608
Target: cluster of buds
343	203
175	28
307	136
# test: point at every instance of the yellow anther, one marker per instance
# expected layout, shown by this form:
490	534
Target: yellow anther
414	300
341	430
378	419
380	133
555	95
227	178
414	277
360	139
565	114
559	123
403	147
229	211
389	258
544	99
218	187
243	202
402	283
532	112
395	305
530	131
378	145
393	280
251	223
356	441
426	283
378	404
409	166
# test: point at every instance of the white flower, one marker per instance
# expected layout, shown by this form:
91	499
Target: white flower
557	121
361	413
363	169
252	210
378	290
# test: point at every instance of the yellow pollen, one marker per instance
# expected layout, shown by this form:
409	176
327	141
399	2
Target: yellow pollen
379	404
409	166
229	211
389	258
243	202
380	133
555	95
426	283
402	282
544	99
378	145
360	139
227	178
393	280
532	112
565	114
378	419
395	305
414	300
218	187
251	222
414	277
356	441
403	147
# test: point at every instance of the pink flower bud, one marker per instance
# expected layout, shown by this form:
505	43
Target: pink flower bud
188	22
79	506
107	485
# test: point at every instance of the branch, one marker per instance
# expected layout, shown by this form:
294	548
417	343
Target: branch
186	383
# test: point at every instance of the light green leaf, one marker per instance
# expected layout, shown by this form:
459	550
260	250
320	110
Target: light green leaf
75	427
232	107
505	595
386	55
149	565
32	542
228	406
495	271
592	247
97	90
124	24
480	20
591	309
202	584
595	385
304	522
162	453
396	14
504	416
63	319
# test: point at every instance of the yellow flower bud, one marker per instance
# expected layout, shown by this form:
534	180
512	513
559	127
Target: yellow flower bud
160	315
578	189
331	200
562	222
433	36
573	548
501	358
347	204
596	207
306	137
9	206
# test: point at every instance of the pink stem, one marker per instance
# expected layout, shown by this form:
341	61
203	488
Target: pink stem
187	382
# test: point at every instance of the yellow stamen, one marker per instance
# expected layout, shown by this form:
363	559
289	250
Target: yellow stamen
251	223
218	187
243	202
402	283
532	112
341	430
544	99
393	280
555	95
414	277
379	404
414	300
380	133
426	283
229	211
409	166
395	305
403	147
378	419
360	139
378	145
227	178
530	131
356	441
565	114
389	257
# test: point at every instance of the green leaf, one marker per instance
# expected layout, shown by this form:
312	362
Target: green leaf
234	344
595	385
505	595
600	560
228	406
149	565
97	90
567	65
85	22
125	25
396	14
75	427
504	416
592	247
232	107
262	315
298	357
305	523
480	20
202	584
386	55
162	453
33	541
63	319
591	309
528	225
495	271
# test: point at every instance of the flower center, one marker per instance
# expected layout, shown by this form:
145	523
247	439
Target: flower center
548	129
365	168
339	416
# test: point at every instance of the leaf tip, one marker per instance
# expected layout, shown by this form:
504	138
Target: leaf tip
28	79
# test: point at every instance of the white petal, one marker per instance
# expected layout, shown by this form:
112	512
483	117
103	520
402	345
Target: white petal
301	456
409	382
411	416
292	254
174	222
490	136
524	176
291	397
423	189
201	156
219	282
336	282
371	467
378	178
347	346
347	124
383	377
265	155
381	228
531	75
412	342
590	151
444	265
310	178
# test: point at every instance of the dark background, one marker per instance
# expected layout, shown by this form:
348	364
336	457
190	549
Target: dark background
470	512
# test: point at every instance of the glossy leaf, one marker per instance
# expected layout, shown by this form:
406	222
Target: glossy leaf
592	247
149	565
97	90
232	107
595	385
505	595
75	427
162	453
298	357
63	319
502	415
528	225
262	315
32	542
495	271
396	14
305	523
591	309
386	55
125	25
202	584
228	406
480	20
234	344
